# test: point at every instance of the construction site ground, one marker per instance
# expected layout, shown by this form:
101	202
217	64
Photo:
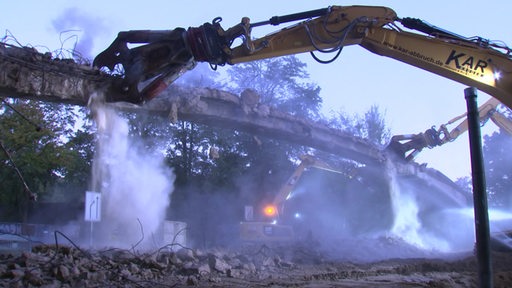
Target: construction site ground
256	265
383	262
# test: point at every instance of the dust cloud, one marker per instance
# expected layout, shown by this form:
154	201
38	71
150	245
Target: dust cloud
79	29
426	232
134	183
372	217
377	216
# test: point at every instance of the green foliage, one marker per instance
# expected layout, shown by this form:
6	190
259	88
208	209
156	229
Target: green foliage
43	156
188	151
281	82
248	168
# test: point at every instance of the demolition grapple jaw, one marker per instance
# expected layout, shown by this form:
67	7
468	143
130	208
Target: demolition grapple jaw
143	70
161	57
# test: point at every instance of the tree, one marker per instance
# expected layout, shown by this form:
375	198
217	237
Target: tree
76	180
39	153
498	166
188	152
281	82
373	126
370	126
368	187
248	167
284	83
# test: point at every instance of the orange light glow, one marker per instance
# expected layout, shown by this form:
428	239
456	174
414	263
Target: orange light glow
270	210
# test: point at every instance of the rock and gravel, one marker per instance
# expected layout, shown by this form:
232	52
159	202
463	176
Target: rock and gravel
256	265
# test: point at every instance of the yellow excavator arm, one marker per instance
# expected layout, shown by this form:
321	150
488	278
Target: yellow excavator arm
285	191
161	56
409	145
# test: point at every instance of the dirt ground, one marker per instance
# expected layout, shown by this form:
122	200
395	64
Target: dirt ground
389	273
381	263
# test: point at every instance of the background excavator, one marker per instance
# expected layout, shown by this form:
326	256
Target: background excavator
267	226
160	57
409	145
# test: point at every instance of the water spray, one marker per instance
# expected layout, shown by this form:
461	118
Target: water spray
135	183
408	225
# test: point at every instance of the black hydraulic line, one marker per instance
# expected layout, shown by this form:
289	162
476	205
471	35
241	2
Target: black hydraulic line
276	20
422	26
483	250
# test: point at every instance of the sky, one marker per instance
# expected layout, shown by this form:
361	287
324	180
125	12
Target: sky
411	99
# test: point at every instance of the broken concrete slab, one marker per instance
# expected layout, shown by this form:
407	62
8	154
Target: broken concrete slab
25	73
100	268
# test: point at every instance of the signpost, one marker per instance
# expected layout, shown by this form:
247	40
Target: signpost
92	209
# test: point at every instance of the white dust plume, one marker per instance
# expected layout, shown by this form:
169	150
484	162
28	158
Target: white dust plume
135	184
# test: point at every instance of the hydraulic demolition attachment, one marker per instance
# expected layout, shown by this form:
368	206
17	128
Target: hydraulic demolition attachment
410	145
161	56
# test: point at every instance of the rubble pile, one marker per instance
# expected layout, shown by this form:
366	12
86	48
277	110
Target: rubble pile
295	265
51	266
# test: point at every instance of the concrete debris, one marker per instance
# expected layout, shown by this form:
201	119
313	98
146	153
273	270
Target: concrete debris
25	73
249	99
225	110
173	113
296	265
218	264
185	255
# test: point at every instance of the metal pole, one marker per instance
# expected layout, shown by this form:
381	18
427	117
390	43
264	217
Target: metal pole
483	250
90	214
90	239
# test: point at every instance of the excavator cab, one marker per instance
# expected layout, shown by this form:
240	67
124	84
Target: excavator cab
271	229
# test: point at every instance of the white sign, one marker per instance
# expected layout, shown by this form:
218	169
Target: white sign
92	206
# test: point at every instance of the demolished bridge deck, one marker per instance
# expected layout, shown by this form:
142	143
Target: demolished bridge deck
25	73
